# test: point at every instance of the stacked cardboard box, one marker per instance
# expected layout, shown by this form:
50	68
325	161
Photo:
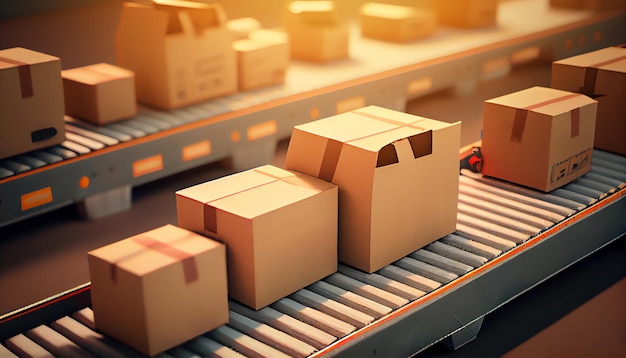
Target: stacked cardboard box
315	31
600	75
262	59
31	101
99	93
538	137
181	51
396	23
397	175
159	289
279	227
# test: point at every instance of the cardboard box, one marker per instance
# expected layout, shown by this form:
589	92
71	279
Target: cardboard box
396	23
158	289
181	52
593	5
279	227
397	174
600	75
262	59
99	93
466	13
315	31
31	101
242	27
538	137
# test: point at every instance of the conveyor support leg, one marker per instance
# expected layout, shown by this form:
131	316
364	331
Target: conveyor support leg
251	156
106	203
463	336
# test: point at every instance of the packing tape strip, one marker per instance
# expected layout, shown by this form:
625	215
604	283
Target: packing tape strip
519	121
591	76
26	81
188	261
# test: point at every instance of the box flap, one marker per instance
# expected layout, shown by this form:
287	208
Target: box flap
548	101
199	15
610	58
12	57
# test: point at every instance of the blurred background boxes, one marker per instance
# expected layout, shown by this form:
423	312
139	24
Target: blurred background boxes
31	101
316	33
262	59
396	23
181	52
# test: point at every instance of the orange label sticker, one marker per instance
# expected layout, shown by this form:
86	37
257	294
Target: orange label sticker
148	165
350	104
36	198
196	150
261	130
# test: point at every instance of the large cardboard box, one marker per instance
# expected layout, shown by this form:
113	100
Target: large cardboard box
181	51
159	289
396	23
398	177
262	59
600	75
31	101
316	33
594	5
538	137
279	227
466	13
100	93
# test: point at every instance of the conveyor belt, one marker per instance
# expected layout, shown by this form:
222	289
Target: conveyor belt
502	228
245	127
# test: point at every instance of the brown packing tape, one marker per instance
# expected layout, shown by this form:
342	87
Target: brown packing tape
26	81
188	261
591	76
519	121
210	212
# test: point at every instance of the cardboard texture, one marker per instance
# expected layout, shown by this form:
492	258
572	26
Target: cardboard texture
262	59
159	289
315	32
594	5
600	75
466	13
31	101
279	227
181	52
100	93
538	137
397	175
396	23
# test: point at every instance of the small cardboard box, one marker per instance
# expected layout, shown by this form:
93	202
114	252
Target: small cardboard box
466	13
279	227
398	177
396	23
181	51
600	75
159	289
262	59
315	31
538	137
100	93
594	5
31	101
